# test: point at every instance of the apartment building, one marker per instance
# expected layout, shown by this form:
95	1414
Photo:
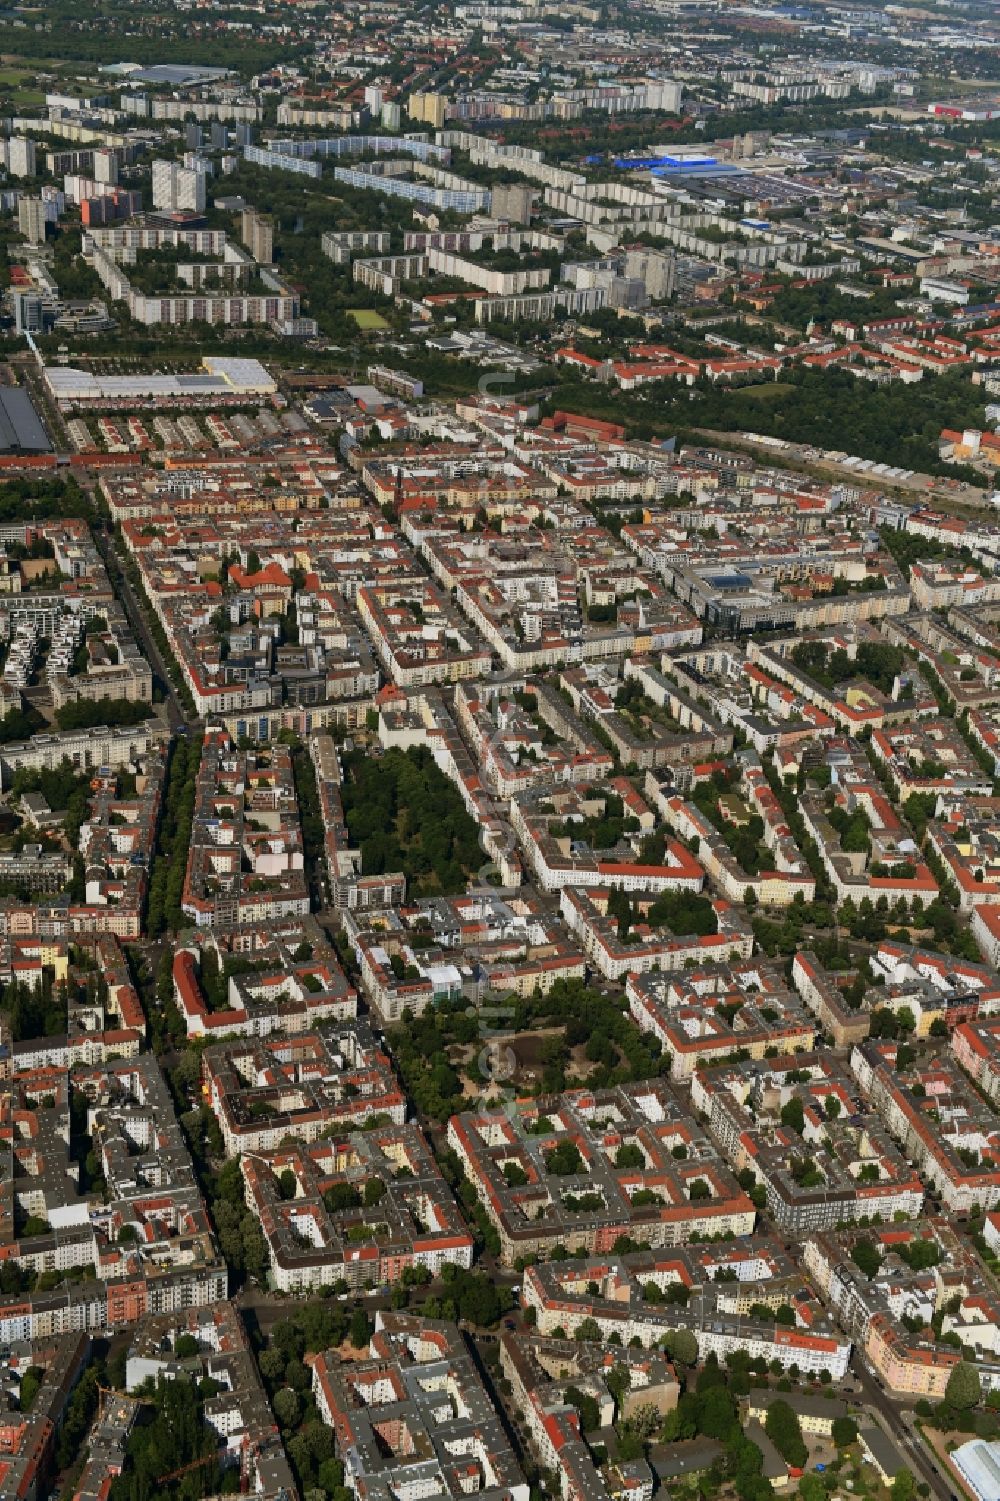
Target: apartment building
167	1261
32	220
417	1380
652	945
707	1013
257	234
299	1087
366	1206
911	1102
547	1175
412	958
724	1315
178	188
564	834
246	862
840	1167
278	977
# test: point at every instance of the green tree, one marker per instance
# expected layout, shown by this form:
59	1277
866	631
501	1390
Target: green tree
287	1407
360	1330
618	1382
717	1413
82	713
586	1406
480	1301
630	1445
564	1160
374	1192
904	1487
341	1196
682	1346
645	1420
844	1432
921	1253
866	1257
964	1389
30	1384
782	1428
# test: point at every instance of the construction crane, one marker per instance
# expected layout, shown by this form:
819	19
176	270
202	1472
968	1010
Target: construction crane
104	1393
195	1464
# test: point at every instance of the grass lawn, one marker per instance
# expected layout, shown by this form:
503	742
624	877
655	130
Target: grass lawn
771	391
11	83
366	317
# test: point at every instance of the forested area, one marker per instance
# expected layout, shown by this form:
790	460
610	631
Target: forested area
73	29
64	788
19	724
601	831
155	625
907	548
824	302
616	1051
34	1011
742	831
893	424
240	1237
310	817
166	884
313	1327
680	912
708	1408
308	1440
170	1434
43	500
562	142
74	276
303	211
404	814
80	1412
877	661
85	713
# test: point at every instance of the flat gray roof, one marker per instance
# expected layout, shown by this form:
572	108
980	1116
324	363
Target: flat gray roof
178	73
889	1459
21	429
806	1404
